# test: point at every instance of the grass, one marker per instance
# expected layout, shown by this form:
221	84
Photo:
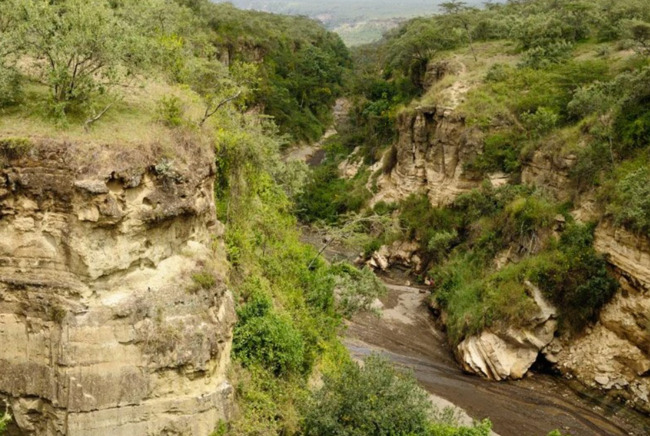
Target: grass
131	121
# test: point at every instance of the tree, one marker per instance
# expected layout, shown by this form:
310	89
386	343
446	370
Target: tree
457	9
640	34
80	47
218	86
10	91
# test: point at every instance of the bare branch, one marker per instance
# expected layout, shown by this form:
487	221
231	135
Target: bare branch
96	118
209	113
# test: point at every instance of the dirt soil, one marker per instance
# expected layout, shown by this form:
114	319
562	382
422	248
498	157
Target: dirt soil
407	334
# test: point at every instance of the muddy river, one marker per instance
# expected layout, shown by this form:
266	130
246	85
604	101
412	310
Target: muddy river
406	333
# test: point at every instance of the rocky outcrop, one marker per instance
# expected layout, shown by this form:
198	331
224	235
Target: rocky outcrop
549	170
398	254
614	355
505	352
103	331
434	144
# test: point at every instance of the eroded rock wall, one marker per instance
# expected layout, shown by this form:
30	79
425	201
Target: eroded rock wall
102	330
434	144
614	355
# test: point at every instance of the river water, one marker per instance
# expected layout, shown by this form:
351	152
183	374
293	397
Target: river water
406	333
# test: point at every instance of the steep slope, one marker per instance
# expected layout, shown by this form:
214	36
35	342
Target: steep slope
103	329
518	162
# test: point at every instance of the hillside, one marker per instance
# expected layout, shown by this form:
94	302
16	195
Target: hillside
152	280
508	151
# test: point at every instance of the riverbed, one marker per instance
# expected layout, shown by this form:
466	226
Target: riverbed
406	333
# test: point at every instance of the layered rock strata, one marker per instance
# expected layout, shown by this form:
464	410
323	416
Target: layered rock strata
102	329
614	355
506	352
433	146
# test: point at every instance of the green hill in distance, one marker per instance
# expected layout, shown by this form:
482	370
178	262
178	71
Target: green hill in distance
357	21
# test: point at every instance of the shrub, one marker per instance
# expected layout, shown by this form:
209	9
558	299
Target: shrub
421	220
10	87
440	243
540	122
170	111
355	289
5	418
383	208
269	340
575	278
369	399
498	73
592	161
632	125
376	399
202	280
630	204
544	56
501	152
327	196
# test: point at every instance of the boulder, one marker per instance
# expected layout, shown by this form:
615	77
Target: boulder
508	352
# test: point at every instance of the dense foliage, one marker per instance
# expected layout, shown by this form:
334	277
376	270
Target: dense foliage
375	399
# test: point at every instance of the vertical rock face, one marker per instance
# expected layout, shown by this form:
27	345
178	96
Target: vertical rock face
433	146
550	171
615	354
102	330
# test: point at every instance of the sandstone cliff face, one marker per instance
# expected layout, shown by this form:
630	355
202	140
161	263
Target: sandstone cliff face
507	352
550	171
433	146
101	330
614	355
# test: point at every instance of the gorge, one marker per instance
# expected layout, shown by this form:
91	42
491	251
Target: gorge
217	221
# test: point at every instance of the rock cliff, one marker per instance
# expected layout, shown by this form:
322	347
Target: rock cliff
102	329
434	144
507	352
614	355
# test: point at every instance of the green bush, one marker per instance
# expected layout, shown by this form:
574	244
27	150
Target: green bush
202	280
10	87
262	337
575	278
373	399
423	221
475	298
355	289
170	111
545	56
542	121
630	205
327	196
501	152
632	125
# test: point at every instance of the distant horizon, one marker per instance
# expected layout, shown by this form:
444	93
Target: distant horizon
356	21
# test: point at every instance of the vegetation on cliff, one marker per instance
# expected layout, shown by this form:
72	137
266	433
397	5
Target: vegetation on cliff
75	60
163	73
566	80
